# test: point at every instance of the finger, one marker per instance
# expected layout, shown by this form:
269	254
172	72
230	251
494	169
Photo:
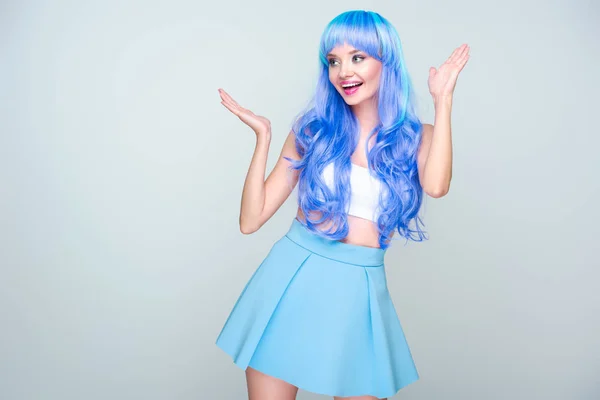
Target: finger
464	52
454	55
229	107
459	67
228	97
234	110
458	53
462	59
462	64
223	94
237	110
230	101
432	72
232	105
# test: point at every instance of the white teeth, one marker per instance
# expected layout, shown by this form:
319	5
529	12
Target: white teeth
351	84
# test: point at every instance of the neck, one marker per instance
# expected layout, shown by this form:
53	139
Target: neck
367	115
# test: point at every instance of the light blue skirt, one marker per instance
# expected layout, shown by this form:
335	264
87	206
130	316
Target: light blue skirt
317	314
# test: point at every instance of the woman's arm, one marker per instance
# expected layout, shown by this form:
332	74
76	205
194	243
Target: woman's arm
435	151
260	198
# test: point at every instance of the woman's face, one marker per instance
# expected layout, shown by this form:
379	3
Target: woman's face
349	67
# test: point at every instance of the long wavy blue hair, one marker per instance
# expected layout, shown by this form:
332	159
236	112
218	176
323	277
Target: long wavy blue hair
328	131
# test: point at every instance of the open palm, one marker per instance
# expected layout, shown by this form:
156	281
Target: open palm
443	80
258	124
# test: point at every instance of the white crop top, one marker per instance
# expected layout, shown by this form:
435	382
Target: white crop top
364	191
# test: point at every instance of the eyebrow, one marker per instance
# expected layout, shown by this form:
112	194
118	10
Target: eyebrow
350	52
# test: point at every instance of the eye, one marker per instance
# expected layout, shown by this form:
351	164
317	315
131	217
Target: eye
332	61
360	58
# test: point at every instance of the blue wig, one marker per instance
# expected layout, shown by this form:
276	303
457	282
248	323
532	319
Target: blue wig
327	131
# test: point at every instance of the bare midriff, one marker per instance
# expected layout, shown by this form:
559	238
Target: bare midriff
361	232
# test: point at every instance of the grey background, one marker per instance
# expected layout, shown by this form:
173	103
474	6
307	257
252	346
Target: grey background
121	176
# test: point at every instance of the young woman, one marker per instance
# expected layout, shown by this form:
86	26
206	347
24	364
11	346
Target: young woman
317	314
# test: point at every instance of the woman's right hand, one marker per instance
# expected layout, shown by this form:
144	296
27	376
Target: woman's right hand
260	125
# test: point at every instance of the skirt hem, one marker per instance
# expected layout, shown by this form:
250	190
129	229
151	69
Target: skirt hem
308	388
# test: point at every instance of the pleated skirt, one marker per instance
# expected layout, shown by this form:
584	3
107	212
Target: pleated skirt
317	313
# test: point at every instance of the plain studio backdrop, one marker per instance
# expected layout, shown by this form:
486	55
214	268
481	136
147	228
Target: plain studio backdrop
121	175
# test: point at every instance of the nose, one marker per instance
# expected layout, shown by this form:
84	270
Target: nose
345	71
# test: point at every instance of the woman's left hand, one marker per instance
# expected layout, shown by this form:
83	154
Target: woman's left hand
443	80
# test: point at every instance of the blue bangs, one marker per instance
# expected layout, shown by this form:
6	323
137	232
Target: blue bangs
358	29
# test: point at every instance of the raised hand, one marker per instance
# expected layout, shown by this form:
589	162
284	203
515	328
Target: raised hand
443	80
260	125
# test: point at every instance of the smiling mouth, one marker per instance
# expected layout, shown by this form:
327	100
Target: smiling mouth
351	89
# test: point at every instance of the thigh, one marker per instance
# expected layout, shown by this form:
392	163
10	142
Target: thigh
358	398
265	387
